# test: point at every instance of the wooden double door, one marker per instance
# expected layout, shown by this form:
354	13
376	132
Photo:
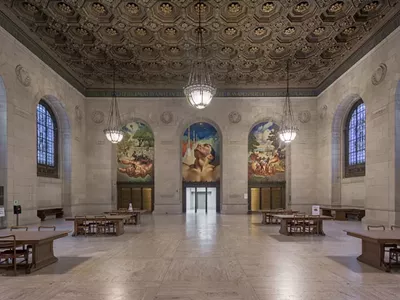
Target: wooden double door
141	196
266	197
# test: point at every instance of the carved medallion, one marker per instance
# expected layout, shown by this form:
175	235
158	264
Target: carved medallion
166	117
234	117
379	74
304	116
322	112
98	117
23	75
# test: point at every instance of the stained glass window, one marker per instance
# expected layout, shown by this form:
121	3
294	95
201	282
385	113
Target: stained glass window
46	128
355	141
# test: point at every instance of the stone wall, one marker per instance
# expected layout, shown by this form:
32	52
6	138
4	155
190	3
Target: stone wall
101	167
376	190
26	81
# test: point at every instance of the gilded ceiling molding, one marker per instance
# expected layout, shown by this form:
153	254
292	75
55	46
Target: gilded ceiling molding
153	49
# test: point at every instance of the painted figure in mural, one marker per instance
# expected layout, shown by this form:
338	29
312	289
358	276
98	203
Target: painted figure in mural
200	153
266	153
202	170
135	154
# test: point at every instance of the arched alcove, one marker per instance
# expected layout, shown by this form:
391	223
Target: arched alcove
266	167
65	151
3	152
135	166
337	157
201	161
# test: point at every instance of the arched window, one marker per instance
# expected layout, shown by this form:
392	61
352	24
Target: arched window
355	141
46	146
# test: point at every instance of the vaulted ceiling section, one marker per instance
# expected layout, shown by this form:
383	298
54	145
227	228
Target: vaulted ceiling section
247	42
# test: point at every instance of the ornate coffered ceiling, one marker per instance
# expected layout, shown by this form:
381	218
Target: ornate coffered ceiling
247	42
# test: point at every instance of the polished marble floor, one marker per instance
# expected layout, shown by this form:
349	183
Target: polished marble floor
205	257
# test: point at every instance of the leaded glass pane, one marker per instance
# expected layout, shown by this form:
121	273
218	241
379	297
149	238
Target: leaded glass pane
46	136
356	136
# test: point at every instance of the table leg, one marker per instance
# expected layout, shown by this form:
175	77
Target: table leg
320	227
42	256
264	218
284	230
75	233
119	229
373	254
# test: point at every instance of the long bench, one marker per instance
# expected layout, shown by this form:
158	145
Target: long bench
44	212
343	213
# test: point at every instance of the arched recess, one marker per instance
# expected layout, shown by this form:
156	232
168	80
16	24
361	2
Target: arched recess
266	167
65	153
201	166
135	166
337	150
3	152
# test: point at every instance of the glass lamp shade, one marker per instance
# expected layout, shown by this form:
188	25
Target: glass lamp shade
288	134
114	135
199	95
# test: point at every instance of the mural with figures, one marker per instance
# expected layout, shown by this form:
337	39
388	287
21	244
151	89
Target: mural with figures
135	154
201	153
266	157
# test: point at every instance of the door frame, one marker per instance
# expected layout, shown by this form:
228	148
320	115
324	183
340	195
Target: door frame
266	185
201	185
140	185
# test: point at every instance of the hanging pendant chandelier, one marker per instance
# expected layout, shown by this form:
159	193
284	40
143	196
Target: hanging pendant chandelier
199	90
113	131
288	130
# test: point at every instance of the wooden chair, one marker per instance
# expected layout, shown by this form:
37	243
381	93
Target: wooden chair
101	224
313	225
13	228
46	228
82	225
10	251
382	227
297	224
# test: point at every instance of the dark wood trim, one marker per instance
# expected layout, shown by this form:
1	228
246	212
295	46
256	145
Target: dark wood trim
46	170
136	185
351	170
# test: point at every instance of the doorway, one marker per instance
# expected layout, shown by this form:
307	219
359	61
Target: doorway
141	196
263	198
200	198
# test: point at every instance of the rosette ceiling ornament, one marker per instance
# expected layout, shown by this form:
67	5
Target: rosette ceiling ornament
288	130
113	130
199	91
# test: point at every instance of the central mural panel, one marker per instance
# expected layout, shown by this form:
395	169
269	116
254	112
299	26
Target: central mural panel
135	154
201	157
266	158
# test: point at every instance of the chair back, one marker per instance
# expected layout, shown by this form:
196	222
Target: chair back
47	228
7	243
376	227
21	228
80	220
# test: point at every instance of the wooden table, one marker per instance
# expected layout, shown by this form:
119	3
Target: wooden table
135	214
373	246
285	219
267	214
117	220
342	212
42	246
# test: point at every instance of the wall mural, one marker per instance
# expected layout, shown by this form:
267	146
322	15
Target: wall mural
201	153
266	160
135	154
